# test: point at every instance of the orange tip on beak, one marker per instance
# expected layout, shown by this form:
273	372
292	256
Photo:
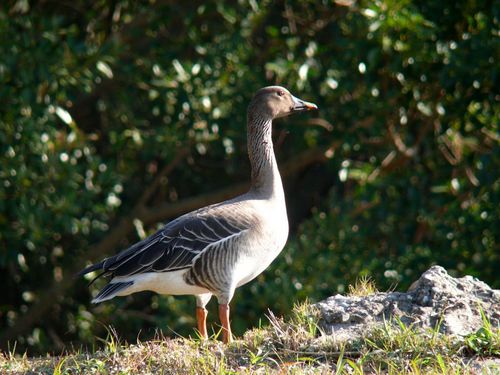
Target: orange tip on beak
301	105
310	106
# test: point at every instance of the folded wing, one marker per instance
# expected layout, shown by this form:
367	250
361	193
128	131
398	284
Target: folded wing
172	248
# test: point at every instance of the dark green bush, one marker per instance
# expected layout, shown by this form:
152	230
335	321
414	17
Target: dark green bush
101	103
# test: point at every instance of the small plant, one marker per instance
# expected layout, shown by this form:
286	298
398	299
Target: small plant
306	316
112	340
364	286
398	347
486	340
58	369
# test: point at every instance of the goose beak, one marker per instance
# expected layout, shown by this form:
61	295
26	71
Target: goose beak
300	105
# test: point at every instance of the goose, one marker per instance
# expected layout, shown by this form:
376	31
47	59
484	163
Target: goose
215	249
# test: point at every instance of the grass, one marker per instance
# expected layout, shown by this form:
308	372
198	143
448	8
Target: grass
363	286
293	346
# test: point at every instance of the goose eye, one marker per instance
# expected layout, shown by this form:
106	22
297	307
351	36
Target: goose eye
280	93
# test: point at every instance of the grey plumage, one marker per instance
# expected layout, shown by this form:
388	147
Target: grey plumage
217	248
111	289
178	246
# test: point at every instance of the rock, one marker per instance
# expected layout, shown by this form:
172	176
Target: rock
435	300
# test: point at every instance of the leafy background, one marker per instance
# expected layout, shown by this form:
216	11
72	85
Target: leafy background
117	116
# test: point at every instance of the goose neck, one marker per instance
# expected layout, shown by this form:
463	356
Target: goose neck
266	179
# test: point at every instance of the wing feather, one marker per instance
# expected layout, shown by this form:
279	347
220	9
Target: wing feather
175	246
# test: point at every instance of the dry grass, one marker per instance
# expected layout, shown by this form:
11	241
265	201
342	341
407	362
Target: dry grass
362	287
287	346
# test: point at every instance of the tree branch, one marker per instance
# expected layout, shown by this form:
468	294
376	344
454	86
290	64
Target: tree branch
397	159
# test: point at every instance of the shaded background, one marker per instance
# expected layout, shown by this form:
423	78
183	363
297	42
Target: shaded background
117	116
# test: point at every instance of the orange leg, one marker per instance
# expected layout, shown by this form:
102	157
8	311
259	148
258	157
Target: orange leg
226	327
201	318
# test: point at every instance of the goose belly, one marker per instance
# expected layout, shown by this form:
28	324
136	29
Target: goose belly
257	260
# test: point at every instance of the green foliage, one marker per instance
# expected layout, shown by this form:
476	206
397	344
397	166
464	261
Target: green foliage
98	98
486	340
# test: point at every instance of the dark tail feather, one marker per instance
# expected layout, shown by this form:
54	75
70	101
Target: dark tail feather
98	276
110	290
91	268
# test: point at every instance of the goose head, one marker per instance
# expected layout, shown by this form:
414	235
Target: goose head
276	102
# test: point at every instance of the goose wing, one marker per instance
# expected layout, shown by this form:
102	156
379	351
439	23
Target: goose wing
172	248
